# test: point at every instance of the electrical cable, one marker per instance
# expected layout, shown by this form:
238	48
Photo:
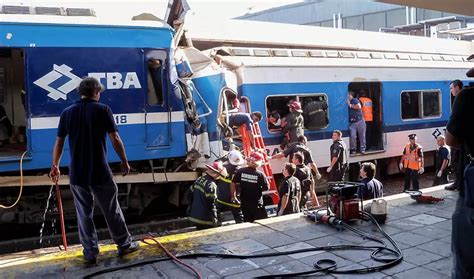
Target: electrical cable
331	265
173	257
21	185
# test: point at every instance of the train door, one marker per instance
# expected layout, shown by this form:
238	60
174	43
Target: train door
372	91
157	112
13	105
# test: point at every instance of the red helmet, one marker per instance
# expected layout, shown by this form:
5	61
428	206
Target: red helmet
296	106
256	158
235	103
218	168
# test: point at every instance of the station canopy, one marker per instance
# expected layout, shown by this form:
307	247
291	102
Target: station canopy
462	7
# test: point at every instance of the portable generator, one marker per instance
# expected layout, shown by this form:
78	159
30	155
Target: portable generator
342	200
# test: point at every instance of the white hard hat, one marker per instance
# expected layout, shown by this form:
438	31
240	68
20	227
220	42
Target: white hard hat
235	158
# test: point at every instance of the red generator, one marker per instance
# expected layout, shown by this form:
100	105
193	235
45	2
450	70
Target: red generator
342	200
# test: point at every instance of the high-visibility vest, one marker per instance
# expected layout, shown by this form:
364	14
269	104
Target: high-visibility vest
366	108
411	160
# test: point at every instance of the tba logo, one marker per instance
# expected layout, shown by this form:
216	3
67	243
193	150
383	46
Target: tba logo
61	91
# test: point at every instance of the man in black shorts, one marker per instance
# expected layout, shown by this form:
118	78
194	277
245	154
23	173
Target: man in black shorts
251	183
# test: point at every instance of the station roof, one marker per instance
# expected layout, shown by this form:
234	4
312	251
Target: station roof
207	34
463	7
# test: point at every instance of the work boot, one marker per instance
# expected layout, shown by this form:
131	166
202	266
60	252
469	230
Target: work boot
122	251
90	261
451	187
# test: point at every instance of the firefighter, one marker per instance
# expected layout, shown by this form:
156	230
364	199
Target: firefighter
338	165
294	125
305	176
368	115
412	163
251	183
202	197
289	191
224	200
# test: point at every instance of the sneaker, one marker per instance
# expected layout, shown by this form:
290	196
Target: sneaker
451	187
134	246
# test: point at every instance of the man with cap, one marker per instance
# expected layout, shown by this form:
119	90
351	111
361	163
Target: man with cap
252	183
87	123
357	123
224	199
202	195
412	163
294	125
289	191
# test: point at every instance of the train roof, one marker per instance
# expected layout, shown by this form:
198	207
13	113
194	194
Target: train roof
81	31
207	34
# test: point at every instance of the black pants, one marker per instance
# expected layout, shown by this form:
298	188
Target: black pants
252	213
411	175
443	179
337	175
236	212
203	227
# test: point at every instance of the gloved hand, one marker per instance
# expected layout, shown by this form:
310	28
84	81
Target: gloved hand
422	170
440	173
400	166
329	169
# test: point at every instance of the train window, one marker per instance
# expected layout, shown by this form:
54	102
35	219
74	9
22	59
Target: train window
420	104
155	82
315	111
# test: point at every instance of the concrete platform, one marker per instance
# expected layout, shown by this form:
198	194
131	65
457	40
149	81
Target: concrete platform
423	232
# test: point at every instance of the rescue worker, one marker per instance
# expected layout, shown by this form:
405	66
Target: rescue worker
252	183
202	195
240	118
368	115
86	123
224	200
300	146
458	135
442	162
338	166
294	125
458	159
304	175
315	114
357	124
289	191
412	163
373	188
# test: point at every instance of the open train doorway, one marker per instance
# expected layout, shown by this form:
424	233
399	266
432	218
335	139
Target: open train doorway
370	93
13	104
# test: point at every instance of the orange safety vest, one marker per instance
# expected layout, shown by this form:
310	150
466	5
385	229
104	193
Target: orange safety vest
411	160
366	108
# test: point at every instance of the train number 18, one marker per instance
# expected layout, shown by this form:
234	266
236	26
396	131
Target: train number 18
120	119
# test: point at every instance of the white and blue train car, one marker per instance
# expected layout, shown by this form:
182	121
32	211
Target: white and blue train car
406	77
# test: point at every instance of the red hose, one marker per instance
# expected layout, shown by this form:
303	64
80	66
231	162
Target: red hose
173	257
61	216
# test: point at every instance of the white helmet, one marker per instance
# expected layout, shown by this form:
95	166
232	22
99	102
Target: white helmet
235	158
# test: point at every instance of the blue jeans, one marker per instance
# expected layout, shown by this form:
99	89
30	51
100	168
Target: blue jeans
357	130
462	242
106	198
